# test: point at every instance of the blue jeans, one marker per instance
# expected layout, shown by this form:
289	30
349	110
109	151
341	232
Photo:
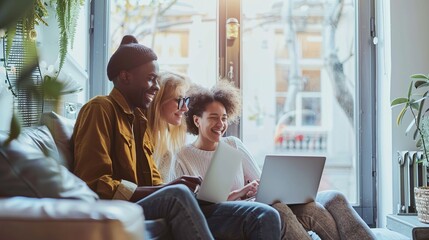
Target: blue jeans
177	206
242	220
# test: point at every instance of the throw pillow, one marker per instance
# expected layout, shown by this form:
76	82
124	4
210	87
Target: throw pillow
61	129
40	138
26	170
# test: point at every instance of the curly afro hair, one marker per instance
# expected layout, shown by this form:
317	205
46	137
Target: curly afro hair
223	92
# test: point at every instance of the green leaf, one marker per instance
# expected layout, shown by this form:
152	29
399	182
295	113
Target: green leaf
52	88
399	101
401	115
410	89
11	32
24	80
419	113
67	15
421	83
414	104
416	135
419	143
15	129
419	76
11	11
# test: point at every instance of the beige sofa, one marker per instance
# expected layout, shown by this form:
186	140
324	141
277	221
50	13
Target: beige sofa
41	199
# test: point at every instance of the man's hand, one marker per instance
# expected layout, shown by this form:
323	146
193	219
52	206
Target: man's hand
190	181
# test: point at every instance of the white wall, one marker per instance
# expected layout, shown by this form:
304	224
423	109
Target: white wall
402	52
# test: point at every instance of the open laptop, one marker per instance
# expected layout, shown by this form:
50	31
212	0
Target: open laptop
290	179
217	183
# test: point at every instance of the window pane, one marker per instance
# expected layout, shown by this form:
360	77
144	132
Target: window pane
299	84
182	33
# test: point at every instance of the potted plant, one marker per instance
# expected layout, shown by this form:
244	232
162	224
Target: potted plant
414	103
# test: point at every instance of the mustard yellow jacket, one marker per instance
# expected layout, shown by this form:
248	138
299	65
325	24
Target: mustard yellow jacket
112	150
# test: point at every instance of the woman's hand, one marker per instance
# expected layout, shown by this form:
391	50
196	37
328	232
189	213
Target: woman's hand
247	191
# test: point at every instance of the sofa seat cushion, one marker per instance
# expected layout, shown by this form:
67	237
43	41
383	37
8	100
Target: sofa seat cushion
70	219
29	168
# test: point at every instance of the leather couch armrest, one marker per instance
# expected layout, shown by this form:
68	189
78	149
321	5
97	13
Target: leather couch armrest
46	218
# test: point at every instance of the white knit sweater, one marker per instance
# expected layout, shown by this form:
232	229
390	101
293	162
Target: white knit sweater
193	161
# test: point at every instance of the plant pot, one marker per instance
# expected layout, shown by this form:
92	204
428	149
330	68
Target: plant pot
422	203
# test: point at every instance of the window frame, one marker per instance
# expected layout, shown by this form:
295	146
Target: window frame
365	111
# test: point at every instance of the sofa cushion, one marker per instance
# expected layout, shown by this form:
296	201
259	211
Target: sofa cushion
40	138
28	168
61	129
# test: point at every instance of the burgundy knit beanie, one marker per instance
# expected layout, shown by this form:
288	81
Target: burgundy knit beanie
129	55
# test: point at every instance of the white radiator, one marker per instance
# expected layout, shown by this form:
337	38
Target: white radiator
412	173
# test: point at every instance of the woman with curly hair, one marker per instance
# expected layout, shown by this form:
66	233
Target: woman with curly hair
210	113
167	130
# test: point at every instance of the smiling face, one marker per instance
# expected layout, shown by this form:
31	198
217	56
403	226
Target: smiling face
139	85
170	110
212	124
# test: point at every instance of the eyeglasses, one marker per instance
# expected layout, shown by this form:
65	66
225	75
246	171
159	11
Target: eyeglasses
182	101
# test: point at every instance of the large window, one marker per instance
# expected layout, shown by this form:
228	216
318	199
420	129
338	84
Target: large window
303	72
304	68
182	33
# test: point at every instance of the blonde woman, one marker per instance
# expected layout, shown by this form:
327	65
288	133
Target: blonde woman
166	120
227	220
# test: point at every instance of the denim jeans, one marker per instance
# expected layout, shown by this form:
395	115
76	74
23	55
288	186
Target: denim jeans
179	209
242	220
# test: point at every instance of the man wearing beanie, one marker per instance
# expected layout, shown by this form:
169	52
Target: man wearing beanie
113	155
112	152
